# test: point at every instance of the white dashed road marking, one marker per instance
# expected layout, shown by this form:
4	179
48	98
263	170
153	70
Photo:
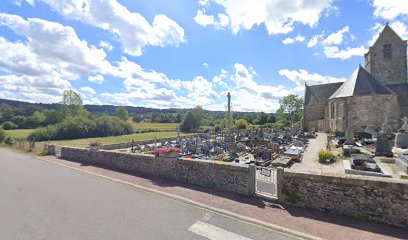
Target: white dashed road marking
214	233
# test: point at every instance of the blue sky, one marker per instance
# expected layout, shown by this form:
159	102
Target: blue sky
184	53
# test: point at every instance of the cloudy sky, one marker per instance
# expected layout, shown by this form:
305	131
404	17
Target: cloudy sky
183	53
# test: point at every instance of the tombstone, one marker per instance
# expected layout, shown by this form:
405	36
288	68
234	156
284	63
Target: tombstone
241	147
386	127
382	147
405	124
401	140
369	129
349	136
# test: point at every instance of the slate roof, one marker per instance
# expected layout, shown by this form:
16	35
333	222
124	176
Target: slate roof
360	83
319	94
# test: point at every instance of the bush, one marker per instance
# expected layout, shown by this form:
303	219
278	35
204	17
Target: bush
44	134
9	125
9	140
241	124
205	129
326	154
82	127
111	126
217	128
3	135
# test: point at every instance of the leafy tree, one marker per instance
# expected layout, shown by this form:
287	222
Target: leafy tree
271	118
262	118
249	118
241	124
9	125
178	118
291	109
19	120
137	118
122	113
190	123
35	120
72	105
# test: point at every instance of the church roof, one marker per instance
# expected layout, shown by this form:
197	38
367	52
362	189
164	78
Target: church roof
319	94
360	83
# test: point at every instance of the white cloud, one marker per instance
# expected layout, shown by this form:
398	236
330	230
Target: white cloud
390	9
69	56
87	90
315	40
254	96
131	28
37	72
200	90
205	20
335	52
96	79
205	65
301	76
298	38
278	16
336	38
106	45
400	28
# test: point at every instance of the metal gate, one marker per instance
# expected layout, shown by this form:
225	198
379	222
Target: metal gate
266	182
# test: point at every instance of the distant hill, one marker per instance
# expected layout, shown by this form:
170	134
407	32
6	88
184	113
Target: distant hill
110	109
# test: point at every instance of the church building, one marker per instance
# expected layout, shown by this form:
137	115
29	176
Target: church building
372	95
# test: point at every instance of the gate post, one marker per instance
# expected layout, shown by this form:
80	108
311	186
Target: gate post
251	179
279	182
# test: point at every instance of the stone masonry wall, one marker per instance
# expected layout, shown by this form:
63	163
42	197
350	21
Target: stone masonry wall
373	110
377	200
388	70
313	113
218	175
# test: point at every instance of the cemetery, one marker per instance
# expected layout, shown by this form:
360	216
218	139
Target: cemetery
280	165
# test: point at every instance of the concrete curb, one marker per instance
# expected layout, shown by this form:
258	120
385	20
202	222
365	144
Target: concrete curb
255	222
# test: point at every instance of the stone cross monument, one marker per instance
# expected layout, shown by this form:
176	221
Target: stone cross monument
229	117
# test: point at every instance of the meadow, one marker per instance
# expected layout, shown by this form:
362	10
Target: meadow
84	142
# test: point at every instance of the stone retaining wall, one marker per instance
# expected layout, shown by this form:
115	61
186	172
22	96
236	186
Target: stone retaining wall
219	175
371	199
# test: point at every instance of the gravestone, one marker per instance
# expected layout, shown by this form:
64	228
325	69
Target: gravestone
382	147
402	162
369	129
386	127
401	140
405	124
349	136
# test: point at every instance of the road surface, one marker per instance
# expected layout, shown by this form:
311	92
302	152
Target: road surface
40	200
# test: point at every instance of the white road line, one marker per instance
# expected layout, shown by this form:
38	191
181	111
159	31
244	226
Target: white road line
214	233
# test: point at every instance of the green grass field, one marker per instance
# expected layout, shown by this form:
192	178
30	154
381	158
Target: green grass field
19	134
155	126
117	139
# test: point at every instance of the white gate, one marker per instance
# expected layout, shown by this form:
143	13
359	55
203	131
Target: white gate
266	182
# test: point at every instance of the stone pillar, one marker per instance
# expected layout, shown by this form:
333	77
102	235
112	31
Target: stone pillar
279	183
251	179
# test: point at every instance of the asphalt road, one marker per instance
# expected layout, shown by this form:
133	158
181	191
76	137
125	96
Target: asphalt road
41	200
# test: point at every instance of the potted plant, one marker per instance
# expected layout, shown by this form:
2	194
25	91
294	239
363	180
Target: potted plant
93	146
168	152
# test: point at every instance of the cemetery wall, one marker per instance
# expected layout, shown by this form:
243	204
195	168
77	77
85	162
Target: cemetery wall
218	175
382	200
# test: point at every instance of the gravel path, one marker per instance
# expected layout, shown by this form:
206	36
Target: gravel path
310	163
